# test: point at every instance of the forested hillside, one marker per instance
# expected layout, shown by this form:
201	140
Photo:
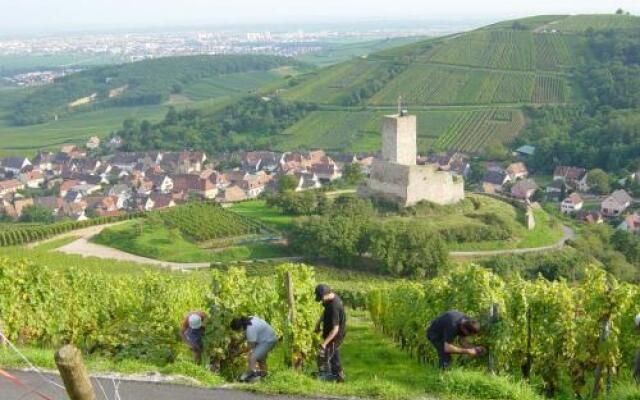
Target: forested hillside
134	84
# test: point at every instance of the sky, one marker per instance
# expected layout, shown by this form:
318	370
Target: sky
60	15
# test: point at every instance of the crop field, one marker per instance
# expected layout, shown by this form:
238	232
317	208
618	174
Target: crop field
333	84
440	85
474	130
360	130
75	128
555	51
550	89
242	83
580	23
491	49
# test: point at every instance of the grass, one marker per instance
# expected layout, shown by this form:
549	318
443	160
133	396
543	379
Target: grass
381	371
259	210
166	244
228	85
75	128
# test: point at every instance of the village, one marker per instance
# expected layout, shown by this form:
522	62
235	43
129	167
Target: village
81	182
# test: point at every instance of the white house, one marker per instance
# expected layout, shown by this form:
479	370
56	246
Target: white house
573	203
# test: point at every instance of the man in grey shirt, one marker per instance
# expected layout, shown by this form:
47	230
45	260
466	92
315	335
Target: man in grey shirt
261	338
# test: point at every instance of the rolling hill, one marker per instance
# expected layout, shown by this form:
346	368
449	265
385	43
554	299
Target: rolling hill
472	75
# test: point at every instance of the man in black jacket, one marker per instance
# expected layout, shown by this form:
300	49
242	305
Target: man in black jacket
443	331
333	321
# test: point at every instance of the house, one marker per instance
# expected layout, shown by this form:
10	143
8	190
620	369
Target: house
631	223
453	161
32	179
43	161
162	200
557	189
115	142
525	151
124	161
190	183
218	179
93	143
494	181
14	164
306	181
231	194
67	148
517	171
573	203
616	203
74	211
184	162
101	204
13	207
591	217
66	185
327	172
52	202
162	183
254	184
574	177
122	193
524	189
365	165
86	188
10	186
254	161
72	197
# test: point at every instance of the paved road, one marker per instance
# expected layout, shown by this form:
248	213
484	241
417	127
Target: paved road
128	390
568	234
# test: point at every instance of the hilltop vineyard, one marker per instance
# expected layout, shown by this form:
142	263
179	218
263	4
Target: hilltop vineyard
206	221
544	330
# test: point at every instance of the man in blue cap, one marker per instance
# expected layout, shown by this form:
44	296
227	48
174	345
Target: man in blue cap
192	333
332	323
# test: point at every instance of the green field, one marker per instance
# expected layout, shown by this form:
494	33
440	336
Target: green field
424	84
75	128
335	53
224	86
360	130
258	210
580	23
331	85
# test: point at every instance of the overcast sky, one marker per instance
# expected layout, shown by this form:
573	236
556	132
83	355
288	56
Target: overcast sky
21	15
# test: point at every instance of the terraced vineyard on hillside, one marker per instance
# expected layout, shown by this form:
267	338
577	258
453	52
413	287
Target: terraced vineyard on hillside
474	130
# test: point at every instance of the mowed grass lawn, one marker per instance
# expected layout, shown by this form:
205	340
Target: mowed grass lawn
163	243
258	209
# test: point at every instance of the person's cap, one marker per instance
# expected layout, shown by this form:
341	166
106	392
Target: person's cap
321	290
195	321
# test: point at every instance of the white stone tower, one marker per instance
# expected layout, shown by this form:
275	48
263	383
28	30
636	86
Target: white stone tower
399	139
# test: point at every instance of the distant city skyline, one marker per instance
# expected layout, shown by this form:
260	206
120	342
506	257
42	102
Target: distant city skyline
38	16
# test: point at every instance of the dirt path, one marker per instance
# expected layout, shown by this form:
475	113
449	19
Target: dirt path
128	390
568	234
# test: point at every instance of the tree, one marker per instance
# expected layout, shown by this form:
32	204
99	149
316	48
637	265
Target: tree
37	213
352	174
287	183
619	11
598	181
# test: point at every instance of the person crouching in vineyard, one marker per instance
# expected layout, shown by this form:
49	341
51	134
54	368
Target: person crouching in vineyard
192	332
443	331
333	321
262	339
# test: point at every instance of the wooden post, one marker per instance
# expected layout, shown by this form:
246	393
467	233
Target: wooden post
74	374
597	376
291	302
493	319
291	320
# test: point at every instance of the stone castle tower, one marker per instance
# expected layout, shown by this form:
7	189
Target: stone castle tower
396	176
